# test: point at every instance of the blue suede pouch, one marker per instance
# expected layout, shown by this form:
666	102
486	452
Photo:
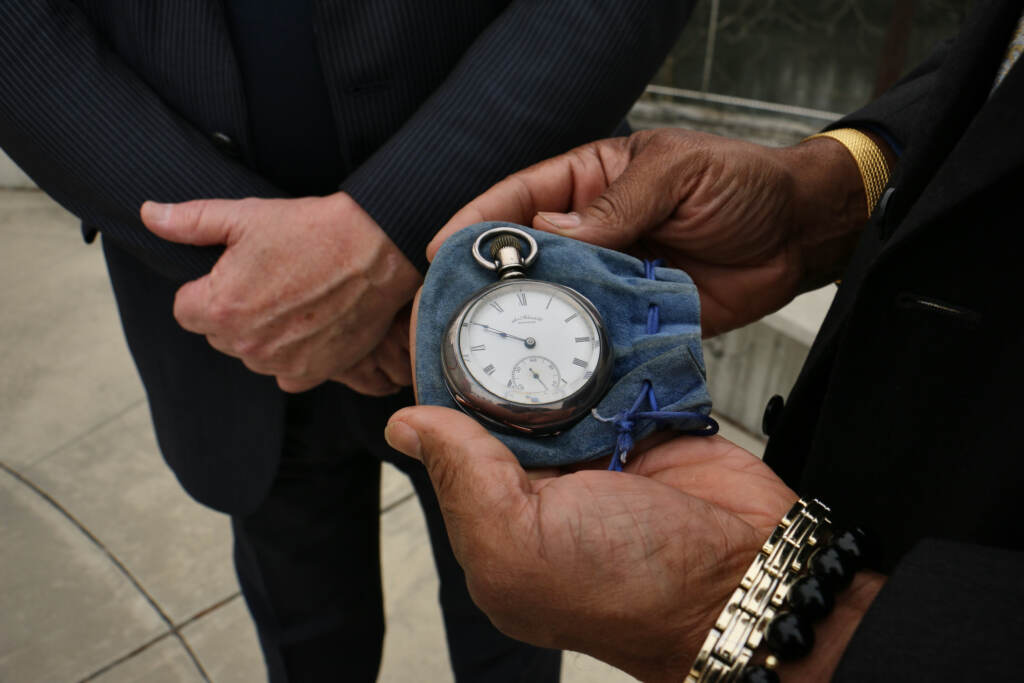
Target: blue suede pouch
664	367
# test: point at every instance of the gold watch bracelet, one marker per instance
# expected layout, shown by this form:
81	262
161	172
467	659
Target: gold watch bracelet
740	628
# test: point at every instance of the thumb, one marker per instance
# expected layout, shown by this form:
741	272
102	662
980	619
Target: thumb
200	222
638	201
475	476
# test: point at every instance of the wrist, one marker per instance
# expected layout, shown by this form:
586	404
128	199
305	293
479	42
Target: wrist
834	633
380	260
835	188
800	600
719	589
667	655
829	208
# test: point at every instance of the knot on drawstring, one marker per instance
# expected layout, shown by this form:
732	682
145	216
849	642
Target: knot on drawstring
626	422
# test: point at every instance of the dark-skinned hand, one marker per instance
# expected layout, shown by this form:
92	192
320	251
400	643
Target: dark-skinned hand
630	567
753	226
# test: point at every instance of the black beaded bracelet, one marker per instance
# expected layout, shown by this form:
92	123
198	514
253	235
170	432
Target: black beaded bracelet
790	634
791	584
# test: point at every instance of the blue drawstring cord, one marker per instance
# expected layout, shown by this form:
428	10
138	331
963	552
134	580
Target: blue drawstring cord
626	422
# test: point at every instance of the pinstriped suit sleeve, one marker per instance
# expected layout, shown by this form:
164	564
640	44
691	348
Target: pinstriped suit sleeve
98	139
543	78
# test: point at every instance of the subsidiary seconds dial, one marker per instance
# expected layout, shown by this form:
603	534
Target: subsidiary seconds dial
536	375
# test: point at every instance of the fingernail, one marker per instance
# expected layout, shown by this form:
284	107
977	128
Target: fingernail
562	221
157	212
403	439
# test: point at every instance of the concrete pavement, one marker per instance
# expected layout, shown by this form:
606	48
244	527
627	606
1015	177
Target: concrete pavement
108	571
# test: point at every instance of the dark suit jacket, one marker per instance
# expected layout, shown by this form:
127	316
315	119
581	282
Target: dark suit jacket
107	103
903	417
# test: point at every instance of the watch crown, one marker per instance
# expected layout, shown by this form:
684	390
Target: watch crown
502	241
507	254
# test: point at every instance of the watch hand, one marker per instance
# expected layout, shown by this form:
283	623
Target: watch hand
529	341
537	377
497	332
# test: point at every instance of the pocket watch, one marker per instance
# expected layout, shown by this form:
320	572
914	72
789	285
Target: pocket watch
521	355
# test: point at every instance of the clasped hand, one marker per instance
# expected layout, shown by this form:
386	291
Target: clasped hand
306	290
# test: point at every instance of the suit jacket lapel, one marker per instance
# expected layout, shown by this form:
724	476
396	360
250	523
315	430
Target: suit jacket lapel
967	124
991	147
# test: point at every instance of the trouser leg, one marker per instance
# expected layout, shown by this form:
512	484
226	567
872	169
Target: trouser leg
308	559
479	652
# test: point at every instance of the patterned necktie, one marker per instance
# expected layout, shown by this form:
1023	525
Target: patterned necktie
1012	53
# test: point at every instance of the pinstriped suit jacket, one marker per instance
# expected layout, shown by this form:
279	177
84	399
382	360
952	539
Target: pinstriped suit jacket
107	103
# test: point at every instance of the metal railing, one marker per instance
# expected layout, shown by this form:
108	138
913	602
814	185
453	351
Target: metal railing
742	102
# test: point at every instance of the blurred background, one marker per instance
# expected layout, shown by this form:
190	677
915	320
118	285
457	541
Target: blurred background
831	55
108	572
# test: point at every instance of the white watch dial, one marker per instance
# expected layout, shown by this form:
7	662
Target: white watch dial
529	342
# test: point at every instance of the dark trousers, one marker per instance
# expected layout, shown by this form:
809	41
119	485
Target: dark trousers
309	564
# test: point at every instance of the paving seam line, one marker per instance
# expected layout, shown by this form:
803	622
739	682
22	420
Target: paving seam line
88	432
172	630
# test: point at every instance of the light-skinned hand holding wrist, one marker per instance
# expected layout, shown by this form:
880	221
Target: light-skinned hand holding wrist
306	289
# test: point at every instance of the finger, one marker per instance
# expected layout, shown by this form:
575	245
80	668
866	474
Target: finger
597	464
295	384
535	474
413	317
514	199
200	222
224	345
557	184
259	367
402	324
191	306
476	477
393	360
638	200
376	387
392	353
368	379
